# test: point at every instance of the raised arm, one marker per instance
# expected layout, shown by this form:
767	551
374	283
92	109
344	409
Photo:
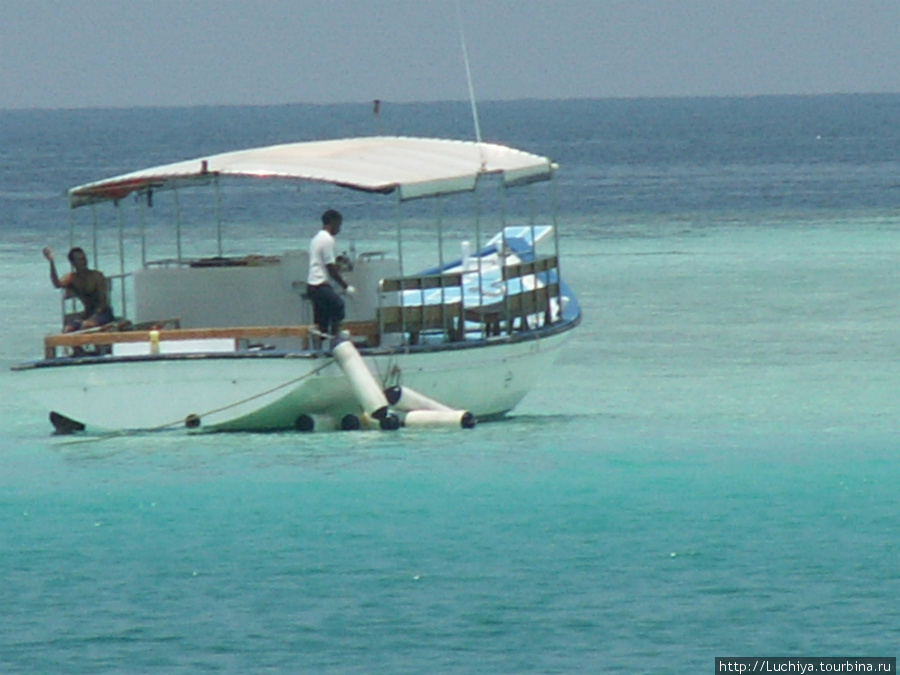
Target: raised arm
54	277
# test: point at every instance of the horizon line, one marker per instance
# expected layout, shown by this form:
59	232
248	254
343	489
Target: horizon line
461	101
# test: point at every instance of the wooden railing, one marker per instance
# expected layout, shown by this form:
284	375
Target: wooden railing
414	317
517	307
411	319
99	337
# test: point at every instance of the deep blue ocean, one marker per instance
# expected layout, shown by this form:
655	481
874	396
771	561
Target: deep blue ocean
711	468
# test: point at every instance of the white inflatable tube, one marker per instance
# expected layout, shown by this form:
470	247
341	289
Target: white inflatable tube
404	398
366	389
440	418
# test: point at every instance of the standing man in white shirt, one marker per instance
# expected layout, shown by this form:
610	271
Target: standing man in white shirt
328	306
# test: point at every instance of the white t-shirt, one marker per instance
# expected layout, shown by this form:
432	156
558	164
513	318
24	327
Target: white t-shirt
321	254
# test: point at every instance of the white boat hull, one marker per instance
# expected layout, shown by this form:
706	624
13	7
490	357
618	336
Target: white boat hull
270	391
226	342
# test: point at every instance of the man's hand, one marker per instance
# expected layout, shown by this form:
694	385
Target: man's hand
48	253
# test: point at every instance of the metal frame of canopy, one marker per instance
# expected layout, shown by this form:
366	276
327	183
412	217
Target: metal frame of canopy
413	168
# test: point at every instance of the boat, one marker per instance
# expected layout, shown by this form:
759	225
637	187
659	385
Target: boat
217	342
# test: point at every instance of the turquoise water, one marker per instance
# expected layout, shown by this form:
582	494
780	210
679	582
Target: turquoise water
709	470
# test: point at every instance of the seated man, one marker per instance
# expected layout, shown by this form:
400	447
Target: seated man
89	286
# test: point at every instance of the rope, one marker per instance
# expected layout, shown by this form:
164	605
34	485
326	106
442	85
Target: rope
162	427
249	398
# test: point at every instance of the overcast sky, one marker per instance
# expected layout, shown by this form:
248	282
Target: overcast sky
100	53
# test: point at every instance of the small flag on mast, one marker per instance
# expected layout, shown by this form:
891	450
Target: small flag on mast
376	108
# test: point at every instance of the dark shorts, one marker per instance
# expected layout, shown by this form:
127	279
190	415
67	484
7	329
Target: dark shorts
328	307
98	318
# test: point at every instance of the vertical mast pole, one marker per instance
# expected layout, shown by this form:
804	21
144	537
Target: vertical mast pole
465	51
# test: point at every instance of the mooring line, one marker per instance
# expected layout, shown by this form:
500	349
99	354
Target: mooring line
180	422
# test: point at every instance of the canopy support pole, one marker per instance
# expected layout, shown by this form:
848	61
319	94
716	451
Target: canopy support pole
71	302
501	258
121	223
400	262
478	252
531	219
439	217
399	233
142	215
94	233
554	201
218	217
177	227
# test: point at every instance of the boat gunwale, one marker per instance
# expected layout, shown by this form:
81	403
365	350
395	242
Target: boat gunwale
534	334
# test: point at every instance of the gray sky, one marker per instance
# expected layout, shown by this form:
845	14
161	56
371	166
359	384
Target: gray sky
98	53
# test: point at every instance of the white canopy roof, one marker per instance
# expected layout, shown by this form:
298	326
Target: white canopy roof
417	167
